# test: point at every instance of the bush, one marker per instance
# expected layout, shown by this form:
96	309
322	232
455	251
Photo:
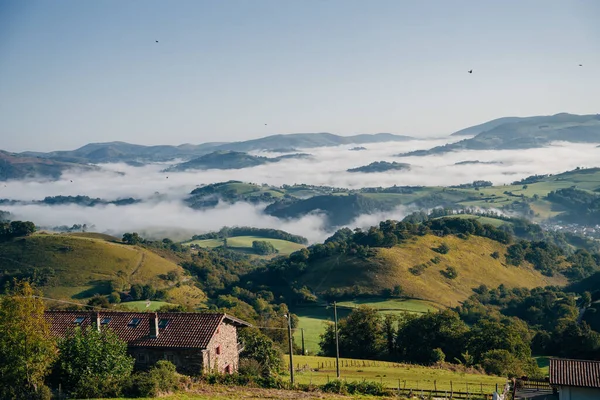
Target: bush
362	387
438	356
250	367
495	255
160	379
450	272
442	248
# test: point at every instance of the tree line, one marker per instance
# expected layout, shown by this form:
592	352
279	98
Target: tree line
227	232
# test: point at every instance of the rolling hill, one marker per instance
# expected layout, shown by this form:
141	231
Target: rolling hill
230	160
17	166
392	266
526	133
124	152
78	266
244	244
381	166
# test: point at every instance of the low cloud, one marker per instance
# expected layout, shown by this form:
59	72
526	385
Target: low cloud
163	209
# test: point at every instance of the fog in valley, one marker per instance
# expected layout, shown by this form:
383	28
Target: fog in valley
163	212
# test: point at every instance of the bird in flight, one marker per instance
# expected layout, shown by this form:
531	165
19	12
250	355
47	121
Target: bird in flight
470	71
581	65
156	41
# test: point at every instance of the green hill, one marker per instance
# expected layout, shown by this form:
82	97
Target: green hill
526	133
78	266
381	166
244	244
389	267
230	160
17	166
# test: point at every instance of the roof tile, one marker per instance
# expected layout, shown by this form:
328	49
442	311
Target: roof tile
184	330
582	373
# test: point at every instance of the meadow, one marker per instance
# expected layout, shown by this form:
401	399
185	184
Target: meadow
319	370
313	319
141	305
244	243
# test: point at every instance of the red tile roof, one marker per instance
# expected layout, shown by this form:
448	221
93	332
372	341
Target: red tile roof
183	330
583	373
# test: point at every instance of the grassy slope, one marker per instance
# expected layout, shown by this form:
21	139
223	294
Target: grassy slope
389	374
83	265
245	242
390	267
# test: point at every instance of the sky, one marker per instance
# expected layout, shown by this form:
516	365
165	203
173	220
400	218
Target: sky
74	72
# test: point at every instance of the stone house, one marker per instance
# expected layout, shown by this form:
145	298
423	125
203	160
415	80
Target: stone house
575	379
194	342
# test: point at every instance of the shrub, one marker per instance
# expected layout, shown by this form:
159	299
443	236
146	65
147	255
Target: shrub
495	255
418	269
438	356
335	386
450	272
160	379
250	367
442	248
367	388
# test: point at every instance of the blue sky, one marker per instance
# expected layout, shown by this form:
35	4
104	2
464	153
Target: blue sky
73	72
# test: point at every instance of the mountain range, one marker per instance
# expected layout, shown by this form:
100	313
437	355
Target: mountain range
523	133
499	134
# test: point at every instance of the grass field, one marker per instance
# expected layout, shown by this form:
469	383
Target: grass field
141	305
83	266
482	220
390	267
318	370
313	319
543	363
244	243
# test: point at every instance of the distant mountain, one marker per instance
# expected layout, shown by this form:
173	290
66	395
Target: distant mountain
486	126
309	140
17	166
126	152
230	160
526	133
381	166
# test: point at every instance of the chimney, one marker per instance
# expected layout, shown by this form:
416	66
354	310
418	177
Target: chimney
98	321
154	326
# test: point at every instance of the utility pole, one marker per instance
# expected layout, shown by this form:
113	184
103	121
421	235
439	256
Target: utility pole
303	349
337	343
288	316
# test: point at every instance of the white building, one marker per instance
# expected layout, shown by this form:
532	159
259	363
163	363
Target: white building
575	379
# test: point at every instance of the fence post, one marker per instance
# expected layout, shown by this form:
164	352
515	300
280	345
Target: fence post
451	390
435	385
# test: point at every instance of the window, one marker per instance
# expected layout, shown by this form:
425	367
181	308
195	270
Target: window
141	358
162	324
218	350
105	321
78	320
228	369
134	322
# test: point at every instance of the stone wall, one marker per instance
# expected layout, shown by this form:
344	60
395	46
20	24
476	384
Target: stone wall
225	343
187	361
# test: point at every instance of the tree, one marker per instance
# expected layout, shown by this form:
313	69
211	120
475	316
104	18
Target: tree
27	349
263	247
261	348
361	335
22	228
93	363
99	301
132	238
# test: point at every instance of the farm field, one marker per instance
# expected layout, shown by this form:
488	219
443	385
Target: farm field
244	243
313	319
318	370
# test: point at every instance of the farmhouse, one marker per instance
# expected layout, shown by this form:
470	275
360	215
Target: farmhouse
575	379
194	342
